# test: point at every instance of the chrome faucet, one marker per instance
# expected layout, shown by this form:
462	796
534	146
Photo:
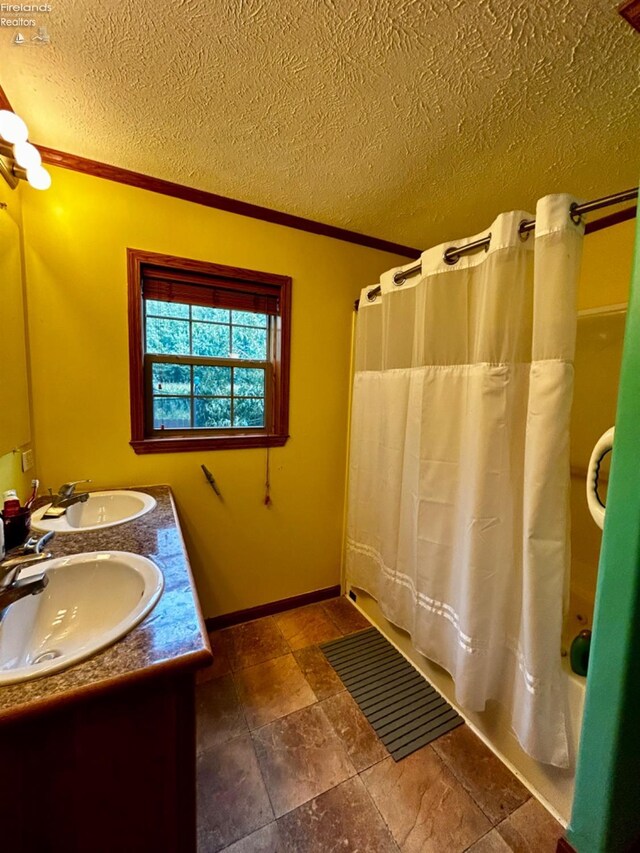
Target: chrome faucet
12	588
67	495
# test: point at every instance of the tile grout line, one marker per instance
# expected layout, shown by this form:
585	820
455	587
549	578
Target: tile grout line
260	662
373	731
228	632
279	630
266	787
484	835
284	716
331	619
255	752
239	701
461	780
352	776
375	805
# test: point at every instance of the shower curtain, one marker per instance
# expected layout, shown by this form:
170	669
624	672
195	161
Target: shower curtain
459	464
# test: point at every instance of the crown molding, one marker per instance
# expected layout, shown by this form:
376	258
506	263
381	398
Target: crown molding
53	157
630	11
5	103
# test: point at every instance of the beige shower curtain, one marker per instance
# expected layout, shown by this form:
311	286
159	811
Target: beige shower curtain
459	467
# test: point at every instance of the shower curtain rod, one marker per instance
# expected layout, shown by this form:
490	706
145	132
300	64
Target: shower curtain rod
453	254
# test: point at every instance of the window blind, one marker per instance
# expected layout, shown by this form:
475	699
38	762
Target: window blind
211	292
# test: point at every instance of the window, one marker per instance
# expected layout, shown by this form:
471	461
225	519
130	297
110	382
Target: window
209	355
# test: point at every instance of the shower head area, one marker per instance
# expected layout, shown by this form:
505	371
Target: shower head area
599	340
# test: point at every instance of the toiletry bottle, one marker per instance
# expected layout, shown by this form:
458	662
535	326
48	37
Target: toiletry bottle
579	654
11	505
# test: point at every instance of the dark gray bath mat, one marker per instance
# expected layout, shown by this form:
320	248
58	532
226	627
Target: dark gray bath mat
403	708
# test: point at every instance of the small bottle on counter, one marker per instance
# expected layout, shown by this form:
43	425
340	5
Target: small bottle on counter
11	504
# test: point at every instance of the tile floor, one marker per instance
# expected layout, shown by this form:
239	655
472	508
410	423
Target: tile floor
287	762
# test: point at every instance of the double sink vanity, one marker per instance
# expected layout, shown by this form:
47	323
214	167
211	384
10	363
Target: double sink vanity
97	675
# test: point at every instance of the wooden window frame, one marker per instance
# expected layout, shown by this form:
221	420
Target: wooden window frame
276	430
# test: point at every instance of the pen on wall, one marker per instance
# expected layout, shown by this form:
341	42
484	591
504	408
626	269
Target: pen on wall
212	482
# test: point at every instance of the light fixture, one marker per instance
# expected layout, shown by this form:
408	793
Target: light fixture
39	178
12	128
26	155
19	159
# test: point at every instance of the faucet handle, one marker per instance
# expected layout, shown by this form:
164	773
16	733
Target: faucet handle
34	545
66	489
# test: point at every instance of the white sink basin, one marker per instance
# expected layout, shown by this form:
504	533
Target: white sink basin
91	601
101	509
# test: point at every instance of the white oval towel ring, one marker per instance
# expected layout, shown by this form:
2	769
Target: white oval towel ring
603	446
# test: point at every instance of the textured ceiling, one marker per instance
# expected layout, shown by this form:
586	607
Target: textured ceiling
412	121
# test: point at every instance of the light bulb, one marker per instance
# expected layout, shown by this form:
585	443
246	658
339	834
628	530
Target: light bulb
26	155
12	128
39	178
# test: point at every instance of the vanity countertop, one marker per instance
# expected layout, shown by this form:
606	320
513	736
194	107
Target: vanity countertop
172	637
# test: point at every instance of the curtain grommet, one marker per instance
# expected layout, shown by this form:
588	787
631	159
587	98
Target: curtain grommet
576	218
522	234
450	259
372	296
398	278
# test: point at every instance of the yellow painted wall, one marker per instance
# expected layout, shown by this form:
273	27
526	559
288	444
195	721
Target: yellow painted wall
243	554
606	266
14	379
11	476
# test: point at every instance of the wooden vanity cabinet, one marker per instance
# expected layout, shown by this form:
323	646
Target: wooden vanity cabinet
113	771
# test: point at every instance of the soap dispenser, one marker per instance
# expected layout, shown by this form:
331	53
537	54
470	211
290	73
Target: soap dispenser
579	655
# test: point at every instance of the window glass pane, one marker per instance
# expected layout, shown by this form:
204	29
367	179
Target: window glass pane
248	382
248	413
170	337
210	340
248	318
167	309
212	380
171	379
249	343
212	413
213	315
172	413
